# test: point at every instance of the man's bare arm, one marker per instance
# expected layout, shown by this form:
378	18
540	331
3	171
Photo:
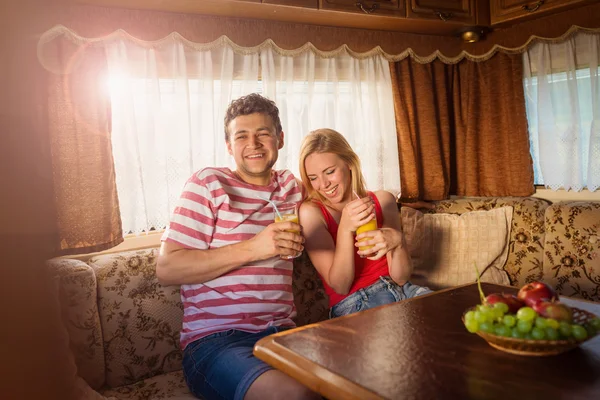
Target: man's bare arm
178	265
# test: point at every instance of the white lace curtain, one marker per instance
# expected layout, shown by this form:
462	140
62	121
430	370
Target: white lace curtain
562	94
169	101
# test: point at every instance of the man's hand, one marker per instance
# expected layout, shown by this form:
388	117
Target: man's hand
279	239
383	240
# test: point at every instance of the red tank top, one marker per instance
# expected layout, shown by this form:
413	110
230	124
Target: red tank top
366	272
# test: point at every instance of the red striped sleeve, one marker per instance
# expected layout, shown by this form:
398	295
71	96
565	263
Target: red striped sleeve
183	229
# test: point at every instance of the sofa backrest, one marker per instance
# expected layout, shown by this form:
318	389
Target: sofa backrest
140	318
572	249
312	303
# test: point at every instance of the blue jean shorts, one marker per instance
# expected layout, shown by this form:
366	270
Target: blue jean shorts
222	366
384	291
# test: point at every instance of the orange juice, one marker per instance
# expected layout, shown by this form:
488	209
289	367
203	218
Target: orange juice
288	218
369	226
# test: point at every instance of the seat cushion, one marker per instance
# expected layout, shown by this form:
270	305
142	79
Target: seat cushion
140	318
169	386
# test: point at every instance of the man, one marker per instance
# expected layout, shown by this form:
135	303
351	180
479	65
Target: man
224	250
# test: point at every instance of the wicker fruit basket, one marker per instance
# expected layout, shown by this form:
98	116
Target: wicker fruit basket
528	347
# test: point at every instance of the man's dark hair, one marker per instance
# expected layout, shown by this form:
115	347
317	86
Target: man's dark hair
250	104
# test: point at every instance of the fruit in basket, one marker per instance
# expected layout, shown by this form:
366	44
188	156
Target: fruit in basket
554	310
534	322
510	300
535	292
579	332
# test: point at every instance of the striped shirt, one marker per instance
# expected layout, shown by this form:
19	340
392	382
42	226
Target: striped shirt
217	209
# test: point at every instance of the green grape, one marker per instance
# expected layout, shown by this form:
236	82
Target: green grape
538	334
502	330
595	322
470	315
486	327
565	329
551	333
540	322
552	323
591	331
526	314
524	326
485	309
480	316
509	320
516	333
496	314
579	332
503	307
471	325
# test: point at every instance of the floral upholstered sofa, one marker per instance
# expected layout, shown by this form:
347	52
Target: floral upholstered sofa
123	326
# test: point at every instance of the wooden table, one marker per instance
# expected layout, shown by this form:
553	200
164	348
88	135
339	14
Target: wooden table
419	349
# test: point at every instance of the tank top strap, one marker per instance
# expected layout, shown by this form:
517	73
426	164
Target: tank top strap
329	220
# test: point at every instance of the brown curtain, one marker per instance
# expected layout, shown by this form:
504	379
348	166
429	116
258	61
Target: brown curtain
462	128
88	216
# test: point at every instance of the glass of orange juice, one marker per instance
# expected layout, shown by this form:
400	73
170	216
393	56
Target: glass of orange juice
369	226
287	212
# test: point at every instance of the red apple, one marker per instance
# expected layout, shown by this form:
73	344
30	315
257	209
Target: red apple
510	300
535	292
554	310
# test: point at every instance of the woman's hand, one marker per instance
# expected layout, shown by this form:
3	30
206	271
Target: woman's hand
383	241
356	213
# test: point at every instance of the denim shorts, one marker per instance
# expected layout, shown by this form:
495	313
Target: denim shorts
384	291
222	366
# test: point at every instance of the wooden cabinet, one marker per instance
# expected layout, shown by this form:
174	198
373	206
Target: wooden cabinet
295	3
503	11
445	10
430	17
374	7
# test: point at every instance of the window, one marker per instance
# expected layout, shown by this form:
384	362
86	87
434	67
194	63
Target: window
562	93
563	117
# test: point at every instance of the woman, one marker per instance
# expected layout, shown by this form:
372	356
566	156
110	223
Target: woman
337	205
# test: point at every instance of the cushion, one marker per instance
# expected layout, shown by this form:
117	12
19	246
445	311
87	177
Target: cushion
572	249
445	248
140	318
525	249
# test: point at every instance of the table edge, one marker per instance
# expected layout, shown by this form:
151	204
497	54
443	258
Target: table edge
307	372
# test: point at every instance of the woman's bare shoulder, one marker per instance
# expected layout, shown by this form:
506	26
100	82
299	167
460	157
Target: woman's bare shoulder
385	197
309	209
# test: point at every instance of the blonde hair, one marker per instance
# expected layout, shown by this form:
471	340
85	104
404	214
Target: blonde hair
330	141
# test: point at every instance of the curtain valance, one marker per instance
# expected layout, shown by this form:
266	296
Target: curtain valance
80	43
